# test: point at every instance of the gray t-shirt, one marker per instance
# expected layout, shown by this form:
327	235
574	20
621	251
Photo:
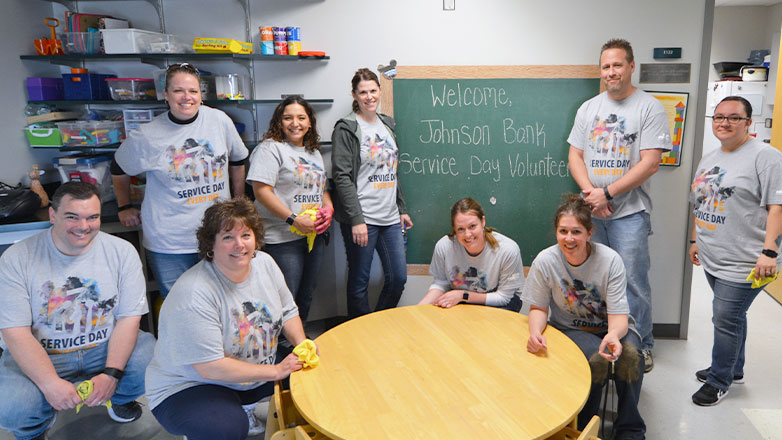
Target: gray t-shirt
729	196
376	184
497	272
298	179
70	302
207	317
187	169
612	135
583	295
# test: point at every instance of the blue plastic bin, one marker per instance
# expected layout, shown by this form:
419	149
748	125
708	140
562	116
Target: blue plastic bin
86	86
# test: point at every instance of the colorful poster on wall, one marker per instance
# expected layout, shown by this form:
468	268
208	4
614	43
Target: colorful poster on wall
675	105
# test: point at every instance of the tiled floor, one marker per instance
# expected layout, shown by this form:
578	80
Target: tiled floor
750	411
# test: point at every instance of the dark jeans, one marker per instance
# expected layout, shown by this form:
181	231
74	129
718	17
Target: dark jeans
209	412
300	269
629	423
388	242
729	315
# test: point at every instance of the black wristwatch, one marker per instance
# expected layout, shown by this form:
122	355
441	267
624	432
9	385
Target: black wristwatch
291	218
113	372
466	295
608	196
769	253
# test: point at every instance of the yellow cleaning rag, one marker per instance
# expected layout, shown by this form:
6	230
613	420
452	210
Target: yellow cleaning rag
313	213
307	353
760	282
84	390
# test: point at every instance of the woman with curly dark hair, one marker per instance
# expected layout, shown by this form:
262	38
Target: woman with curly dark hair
217	336
288	179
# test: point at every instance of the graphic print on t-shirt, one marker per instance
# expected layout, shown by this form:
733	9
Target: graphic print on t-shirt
311	179
75	315
381	156
472	279
611	145
585	301
710	197
256	333
196	165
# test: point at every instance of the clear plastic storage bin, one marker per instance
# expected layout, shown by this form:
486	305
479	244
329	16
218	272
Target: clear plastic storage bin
124	89
91	133
81	42
90	169
134	117
129	40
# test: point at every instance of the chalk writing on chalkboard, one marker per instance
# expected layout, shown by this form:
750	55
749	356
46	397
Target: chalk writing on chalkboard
502	142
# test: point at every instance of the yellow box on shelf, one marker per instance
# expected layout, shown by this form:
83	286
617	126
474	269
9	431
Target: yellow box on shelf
221	45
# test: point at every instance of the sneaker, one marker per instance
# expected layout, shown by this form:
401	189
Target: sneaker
257	427
125	413
648	360
708	395
701	375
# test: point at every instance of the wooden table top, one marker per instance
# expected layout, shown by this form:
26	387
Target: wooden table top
422	372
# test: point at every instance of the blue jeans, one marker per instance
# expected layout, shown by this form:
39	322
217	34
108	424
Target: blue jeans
629	423
629	237
24	410
209	412
300	269
729	315
167	268
390	247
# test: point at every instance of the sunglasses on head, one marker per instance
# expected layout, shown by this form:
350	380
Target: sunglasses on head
182	67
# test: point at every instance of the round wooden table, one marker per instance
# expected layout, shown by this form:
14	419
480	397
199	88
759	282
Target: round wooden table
422	372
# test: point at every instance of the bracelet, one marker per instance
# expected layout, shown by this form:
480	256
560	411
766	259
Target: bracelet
116	373
692	241
605	191
124	207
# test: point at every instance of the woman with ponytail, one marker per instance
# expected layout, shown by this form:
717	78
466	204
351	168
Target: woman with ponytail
475	264
368	202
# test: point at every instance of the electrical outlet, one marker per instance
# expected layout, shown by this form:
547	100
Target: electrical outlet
449	5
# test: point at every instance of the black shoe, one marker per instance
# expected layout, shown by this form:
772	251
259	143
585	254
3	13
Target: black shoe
701	375
125	413
708	395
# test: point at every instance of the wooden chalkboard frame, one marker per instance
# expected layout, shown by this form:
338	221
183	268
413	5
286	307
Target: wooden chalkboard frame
477	72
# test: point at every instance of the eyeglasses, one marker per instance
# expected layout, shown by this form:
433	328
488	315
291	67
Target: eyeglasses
733	119
183	67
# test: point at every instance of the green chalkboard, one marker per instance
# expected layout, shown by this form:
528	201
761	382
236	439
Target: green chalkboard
502	142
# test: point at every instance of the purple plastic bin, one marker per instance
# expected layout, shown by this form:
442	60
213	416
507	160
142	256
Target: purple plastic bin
45	89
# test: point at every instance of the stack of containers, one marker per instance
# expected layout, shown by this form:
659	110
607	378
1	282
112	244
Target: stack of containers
292	34
267	40
280	41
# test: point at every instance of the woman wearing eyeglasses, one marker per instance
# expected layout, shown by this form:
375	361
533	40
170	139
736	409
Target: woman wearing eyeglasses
737	220
192	155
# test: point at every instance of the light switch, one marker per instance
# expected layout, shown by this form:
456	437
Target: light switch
449	5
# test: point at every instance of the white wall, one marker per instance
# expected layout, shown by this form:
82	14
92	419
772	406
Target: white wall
365	33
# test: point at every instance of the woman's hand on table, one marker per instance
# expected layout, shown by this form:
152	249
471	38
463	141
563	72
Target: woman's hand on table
536	342
360	234
610	342
325	214
449	299
287	366
130	218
